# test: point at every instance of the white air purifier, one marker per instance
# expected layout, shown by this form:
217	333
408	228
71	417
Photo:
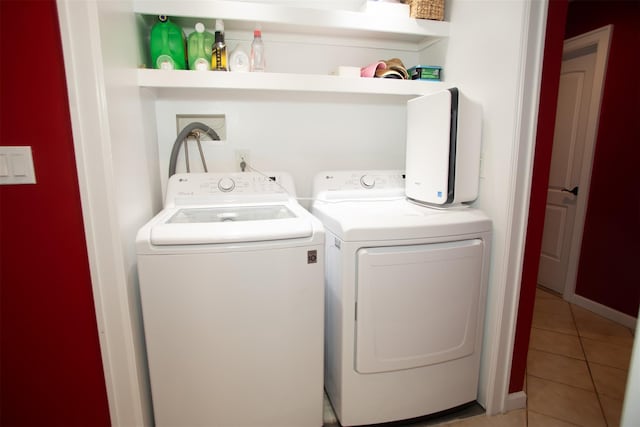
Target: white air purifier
443	148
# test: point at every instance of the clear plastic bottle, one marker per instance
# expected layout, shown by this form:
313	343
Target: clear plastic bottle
257	52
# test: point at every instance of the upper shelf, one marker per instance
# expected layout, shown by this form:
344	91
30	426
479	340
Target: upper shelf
360	27
348	27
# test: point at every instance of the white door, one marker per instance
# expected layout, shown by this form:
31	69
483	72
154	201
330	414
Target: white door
580	91
566	160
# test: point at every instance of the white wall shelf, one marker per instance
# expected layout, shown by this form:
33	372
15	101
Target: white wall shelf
285	23
351	27
168	81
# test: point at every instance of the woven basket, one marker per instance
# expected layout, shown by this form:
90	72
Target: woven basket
427	9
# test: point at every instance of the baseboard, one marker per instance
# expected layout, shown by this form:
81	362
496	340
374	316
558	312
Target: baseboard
603	310
515	401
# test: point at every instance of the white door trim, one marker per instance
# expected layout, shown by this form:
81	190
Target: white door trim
495	396
79	24
600	39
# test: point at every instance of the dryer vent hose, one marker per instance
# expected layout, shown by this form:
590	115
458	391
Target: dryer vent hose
184	133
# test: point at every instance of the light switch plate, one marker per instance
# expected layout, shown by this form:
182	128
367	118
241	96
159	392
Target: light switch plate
16	165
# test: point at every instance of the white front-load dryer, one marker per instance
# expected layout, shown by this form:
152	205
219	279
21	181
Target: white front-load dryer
231	286
405	297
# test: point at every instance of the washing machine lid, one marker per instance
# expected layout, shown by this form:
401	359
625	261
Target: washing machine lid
230	224
366	220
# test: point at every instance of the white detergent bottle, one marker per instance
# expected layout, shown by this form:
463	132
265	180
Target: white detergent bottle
239	60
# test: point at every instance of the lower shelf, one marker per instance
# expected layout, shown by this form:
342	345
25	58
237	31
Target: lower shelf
212	80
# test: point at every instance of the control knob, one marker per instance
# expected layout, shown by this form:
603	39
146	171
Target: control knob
226	184
367	181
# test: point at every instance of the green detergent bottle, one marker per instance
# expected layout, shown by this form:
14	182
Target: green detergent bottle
199	46
167	45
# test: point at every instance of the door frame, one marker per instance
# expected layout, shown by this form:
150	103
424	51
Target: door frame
600	41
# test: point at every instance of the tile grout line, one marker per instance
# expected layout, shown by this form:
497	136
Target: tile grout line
559	419
558	354
595	388
565	384
554	330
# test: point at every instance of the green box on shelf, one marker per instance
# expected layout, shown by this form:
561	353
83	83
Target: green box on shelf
425	72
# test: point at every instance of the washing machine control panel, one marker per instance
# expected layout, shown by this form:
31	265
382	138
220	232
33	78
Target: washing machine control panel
190	188
359	180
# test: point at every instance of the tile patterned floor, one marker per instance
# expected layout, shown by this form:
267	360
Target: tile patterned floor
576	371
577	365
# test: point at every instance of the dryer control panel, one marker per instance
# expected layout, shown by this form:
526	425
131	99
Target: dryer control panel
359	181
207	188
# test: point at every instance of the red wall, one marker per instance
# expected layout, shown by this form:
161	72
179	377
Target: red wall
610	244
51	370
612	229
552	62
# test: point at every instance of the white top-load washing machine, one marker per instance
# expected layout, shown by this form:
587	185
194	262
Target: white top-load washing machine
405	298
232	292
